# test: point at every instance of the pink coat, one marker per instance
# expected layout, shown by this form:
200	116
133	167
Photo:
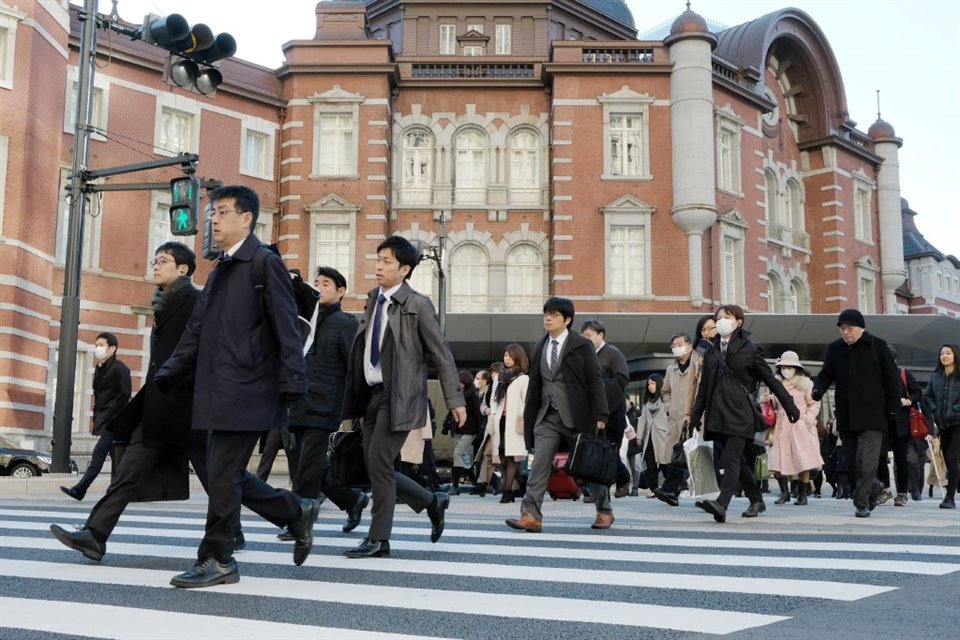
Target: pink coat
796	447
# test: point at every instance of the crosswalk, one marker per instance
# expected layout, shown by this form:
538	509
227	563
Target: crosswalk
481	580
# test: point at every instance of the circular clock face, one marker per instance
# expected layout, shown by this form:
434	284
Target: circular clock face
771	117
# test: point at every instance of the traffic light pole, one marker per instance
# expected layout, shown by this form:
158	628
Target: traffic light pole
70	303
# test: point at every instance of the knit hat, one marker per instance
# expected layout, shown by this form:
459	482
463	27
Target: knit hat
789	359
853	317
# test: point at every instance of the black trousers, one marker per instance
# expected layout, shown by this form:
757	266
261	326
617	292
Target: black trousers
229	483
381	446
273	440
138	461
861	452
950	446
737	469
314	470
101	450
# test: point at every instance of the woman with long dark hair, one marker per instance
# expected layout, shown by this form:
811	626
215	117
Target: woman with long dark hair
733	368
509	397
653	431
942	400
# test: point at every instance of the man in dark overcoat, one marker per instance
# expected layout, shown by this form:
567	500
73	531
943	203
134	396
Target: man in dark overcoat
565	397
154	465
244	348
867	396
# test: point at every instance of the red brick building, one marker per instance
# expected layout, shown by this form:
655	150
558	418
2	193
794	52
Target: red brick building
549	150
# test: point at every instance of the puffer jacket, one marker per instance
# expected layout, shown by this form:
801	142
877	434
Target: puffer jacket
942	400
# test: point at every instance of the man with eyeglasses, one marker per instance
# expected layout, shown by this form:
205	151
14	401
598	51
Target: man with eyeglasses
154	465
248	362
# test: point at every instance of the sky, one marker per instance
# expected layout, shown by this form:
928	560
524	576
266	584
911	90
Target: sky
899	47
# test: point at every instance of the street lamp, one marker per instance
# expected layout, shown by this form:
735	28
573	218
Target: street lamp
435	252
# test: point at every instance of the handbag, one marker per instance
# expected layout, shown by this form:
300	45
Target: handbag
347	468
592	459
769	415
918	422
703	477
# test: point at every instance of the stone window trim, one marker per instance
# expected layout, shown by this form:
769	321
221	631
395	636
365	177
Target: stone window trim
336	210
421	195
253	125
863	189
335	101
733	226
520	193
9	19
729	122
504	39
626	102
99	119
629	211
4	167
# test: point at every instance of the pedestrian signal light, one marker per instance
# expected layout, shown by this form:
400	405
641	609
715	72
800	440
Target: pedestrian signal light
184	206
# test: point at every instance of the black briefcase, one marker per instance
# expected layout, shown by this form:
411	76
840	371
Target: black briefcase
592	459
347	468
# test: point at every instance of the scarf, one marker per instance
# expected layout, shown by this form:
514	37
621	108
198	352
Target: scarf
162	296
506	377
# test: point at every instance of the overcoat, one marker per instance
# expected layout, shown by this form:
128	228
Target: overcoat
587	397
111	392
515	401
246	355
899	425
941	400
796	447
728	386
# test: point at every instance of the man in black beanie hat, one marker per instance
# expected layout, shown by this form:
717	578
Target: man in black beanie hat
867	393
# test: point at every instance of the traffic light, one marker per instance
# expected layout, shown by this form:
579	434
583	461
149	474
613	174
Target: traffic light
184	206
197	49
211	248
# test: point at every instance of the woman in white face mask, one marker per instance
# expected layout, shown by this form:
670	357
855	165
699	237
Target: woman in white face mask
796	447
732	370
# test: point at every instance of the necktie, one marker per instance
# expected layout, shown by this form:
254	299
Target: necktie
375	338
723	347
554	354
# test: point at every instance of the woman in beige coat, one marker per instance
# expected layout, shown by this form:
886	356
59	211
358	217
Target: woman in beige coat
506	414
653	428
796	447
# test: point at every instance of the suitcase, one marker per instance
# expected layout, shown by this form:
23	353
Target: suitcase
561	485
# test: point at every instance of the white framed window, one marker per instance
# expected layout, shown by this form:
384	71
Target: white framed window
771	199
867	273
417	167
525	286
794	202
82	385
799	297
469	269
176	131
264	227
626	135
862	213
524	152
336	117
424	280
470	177
90	246
4	166
9	18
473	50
775	301
625	140
448	39
257	150
728	156
625	264
333	248
99	109
504	39
732	288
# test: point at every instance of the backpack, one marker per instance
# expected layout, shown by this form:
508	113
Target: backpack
304	295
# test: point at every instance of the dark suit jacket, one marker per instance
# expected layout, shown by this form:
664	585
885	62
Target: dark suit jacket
581	373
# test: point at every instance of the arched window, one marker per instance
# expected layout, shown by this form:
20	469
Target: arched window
795	206
525	167
417	167
470	152
424	280
773	216
469	267
775	302
799	294
524	278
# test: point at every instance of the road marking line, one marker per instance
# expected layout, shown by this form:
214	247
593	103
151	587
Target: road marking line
509	605
815	589
122	623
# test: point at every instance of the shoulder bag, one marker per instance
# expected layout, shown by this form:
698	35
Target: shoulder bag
918	422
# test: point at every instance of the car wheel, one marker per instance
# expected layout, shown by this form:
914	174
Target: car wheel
23	470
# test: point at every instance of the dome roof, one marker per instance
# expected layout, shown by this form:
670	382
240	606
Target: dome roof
881	129
690	24
616	9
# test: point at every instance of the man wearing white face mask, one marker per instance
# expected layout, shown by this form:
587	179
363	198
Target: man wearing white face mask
679	388
111	392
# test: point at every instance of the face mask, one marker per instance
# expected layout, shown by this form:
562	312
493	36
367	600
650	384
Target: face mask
100	352
725	326
679	351
787	372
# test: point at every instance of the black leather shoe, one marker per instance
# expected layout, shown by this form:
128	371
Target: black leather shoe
755	509
302	530
669	498
717	510
207	574
74	493
81	540
355	513
441	501
369	549
285	535
862	512
239	542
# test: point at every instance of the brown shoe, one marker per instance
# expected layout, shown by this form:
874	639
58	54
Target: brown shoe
603	521
526	522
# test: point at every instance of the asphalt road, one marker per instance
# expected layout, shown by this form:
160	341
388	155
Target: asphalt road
660	572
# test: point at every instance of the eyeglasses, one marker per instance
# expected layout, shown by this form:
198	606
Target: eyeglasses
217	213
161	260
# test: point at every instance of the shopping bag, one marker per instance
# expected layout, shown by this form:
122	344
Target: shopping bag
760	469
703	478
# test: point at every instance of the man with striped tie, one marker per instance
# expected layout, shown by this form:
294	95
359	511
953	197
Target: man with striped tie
565	397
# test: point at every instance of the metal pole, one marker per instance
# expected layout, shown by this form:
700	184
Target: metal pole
442	297
70	306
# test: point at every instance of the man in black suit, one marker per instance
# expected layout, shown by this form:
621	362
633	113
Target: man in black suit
387	389
244	347
154	465
565	397
111	392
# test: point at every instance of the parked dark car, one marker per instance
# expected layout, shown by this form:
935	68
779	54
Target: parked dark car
25	463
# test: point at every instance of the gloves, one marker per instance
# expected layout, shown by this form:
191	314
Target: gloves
816	394
793	414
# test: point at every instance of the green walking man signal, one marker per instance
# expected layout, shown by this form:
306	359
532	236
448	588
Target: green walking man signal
184	206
